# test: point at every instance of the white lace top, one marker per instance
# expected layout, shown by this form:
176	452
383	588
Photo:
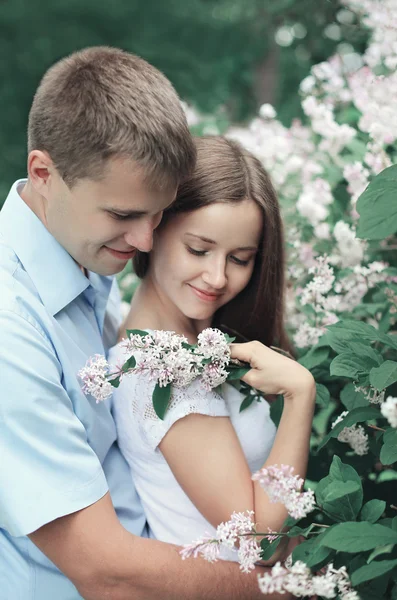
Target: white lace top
171	515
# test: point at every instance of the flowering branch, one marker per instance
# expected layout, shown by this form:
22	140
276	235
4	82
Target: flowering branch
169	360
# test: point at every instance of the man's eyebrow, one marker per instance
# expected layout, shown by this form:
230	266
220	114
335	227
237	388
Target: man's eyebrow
205	239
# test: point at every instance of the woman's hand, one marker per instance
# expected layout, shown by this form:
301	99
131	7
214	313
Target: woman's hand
273	373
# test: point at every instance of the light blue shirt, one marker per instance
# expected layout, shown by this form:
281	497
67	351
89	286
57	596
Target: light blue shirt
58	450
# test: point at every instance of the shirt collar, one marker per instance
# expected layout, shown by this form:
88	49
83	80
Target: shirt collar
56	276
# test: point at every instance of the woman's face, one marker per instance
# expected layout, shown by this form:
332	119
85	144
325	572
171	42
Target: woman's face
202	259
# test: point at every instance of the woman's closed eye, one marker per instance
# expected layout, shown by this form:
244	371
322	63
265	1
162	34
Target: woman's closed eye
196	252
235	259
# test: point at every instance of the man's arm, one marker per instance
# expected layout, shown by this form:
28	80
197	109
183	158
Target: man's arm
104	561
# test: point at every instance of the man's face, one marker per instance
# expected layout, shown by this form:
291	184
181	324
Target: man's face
102	223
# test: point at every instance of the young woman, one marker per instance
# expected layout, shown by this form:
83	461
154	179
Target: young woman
217	261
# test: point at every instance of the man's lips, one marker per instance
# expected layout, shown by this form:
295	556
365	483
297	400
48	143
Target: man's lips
120	254
207	296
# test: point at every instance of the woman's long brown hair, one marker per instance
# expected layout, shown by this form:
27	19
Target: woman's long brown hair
226	172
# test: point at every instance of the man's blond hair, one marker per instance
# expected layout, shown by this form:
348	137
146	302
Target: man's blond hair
102	102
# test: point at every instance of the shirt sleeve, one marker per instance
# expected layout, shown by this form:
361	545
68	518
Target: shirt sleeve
47	468
137	391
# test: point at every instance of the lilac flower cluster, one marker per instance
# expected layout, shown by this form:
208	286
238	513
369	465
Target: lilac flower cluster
282	486
167	358
299	581
164	357
354	435
94	378
227	535
389	410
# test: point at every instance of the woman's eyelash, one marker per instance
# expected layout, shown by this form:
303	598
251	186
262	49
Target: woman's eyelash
196	252
236	260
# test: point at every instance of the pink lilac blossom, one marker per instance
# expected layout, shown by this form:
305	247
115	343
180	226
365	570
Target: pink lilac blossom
380	16
320	285
298	580
162	356
282	486
93	377
373	96
389	410
228	534
211	343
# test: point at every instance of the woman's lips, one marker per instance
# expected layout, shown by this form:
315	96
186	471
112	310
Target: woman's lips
207	297
121	255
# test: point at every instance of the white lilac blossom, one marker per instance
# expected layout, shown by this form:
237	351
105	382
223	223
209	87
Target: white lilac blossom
281	485
267	111
355	436
389	410
373	395
164	357
351	249
356	176
211	343
306	335
372	95
298	580
93	377
227	535
381	18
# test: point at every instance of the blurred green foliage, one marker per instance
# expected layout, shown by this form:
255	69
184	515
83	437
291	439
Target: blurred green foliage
214	51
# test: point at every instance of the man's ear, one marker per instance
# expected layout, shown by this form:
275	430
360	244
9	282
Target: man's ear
41	169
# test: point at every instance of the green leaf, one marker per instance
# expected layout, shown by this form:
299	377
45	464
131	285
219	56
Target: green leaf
311	553
342	500
140	332
115	382
341	334
236	372
388	453
378	551
358	537
372	571
229	339
248	400
351	365
161	398
372	510
269	548
350	330
352	399
357	415
383	376
129	364
304	531
339	471
314	357
322	395
377	206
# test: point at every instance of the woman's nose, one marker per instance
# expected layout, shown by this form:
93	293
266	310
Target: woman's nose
215	275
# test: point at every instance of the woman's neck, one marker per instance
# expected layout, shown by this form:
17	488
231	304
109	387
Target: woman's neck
152	309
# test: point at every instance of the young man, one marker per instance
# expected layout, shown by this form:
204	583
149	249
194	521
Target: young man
108	145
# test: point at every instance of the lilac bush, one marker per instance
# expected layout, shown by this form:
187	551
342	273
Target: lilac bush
336	176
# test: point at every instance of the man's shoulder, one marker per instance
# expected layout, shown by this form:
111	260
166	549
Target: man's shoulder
18	294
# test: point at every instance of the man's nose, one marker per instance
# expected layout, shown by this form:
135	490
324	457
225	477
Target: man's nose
140	234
